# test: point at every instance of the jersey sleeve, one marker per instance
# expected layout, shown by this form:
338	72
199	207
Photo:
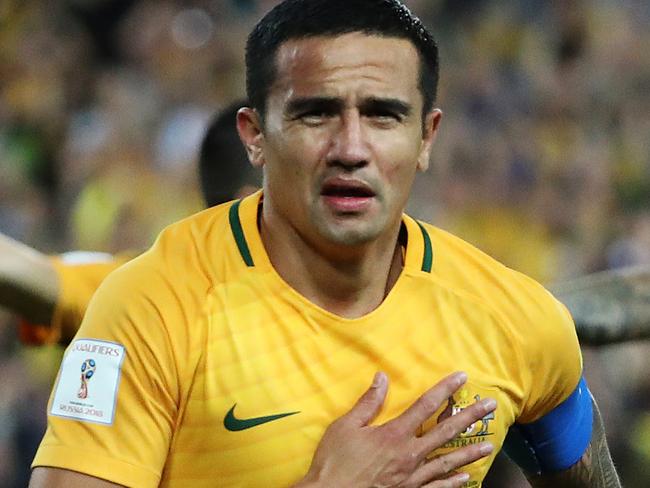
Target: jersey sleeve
79	274
112	410
554	427
554	358
557	440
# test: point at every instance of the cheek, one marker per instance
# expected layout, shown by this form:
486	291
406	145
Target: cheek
288	168
295	154
400	167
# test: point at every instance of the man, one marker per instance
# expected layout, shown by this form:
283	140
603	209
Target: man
223	354
51	294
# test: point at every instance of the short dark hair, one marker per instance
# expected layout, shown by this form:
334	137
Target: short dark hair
223	164
299	19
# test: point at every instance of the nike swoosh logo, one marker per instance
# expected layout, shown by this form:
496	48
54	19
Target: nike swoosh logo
233	424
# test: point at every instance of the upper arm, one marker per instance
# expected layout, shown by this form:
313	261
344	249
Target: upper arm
560	423
62	478
556	441
551	356
117	424
554	425
594	469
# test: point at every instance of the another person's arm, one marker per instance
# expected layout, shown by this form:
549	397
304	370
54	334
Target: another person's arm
50	293
79	273
610	306
29	284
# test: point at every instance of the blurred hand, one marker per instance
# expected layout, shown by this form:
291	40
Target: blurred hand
353	453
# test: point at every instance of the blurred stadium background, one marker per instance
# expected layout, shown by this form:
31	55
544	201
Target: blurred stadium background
543	159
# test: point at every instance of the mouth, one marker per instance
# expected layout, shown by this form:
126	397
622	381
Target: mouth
347	196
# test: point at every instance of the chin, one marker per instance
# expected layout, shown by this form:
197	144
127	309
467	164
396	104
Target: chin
351	233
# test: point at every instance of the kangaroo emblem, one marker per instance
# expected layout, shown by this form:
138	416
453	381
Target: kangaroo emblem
485	421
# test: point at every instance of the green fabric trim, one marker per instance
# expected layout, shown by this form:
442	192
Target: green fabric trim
427	259
238	233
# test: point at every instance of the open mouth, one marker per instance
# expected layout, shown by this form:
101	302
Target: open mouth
350	189
346	196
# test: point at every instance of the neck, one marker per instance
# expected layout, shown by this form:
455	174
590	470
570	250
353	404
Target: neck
349	282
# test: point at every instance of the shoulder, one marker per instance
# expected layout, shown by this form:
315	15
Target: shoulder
527	310
188	250
171	278
538	326
466	268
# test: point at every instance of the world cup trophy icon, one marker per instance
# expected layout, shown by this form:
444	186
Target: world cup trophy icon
87	372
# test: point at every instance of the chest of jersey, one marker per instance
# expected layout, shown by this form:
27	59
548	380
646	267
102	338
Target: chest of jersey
277	371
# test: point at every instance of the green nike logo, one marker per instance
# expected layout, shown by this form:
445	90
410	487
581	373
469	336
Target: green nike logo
233	424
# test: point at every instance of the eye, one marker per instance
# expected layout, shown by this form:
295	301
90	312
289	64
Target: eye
385	117
314	117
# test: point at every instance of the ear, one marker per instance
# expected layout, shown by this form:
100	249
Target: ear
430	130
249	127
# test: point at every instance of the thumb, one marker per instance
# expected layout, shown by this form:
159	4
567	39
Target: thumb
370	403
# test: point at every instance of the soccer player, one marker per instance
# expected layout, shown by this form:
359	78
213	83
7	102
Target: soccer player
230	353
51	294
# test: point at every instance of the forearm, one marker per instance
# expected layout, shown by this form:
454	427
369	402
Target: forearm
609	307
28	283
595	469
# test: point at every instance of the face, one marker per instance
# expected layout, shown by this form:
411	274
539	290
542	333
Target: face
343	136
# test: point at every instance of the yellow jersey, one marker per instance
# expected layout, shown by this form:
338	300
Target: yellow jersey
79	274
207	369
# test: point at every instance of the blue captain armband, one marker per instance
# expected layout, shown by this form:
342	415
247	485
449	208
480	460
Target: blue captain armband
557	440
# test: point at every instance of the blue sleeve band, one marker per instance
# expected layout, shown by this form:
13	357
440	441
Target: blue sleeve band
557	440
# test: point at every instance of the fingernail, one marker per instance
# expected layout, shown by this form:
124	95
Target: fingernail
462	477
461	378
378	380
485	448
489	403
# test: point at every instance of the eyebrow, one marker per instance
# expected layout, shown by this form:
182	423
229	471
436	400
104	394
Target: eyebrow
333	104
395	105
307	104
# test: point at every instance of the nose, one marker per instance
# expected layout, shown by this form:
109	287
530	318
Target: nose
349	146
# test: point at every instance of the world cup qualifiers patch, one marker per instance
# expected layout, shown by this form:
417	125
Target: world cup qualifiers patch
88	381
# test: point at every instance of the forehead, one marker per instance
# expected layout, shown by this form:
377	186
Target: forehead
355	63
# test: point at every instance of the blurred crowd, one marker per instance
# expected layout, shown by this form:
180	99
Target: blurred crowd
543	158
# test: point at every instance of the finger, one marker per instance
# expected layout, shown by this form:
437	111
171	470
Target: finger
445	464
370	403
454	481
425	406
452	426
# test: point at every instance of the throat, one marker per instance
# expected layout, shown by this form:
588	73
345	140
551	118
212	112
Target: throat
349	288
352	293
